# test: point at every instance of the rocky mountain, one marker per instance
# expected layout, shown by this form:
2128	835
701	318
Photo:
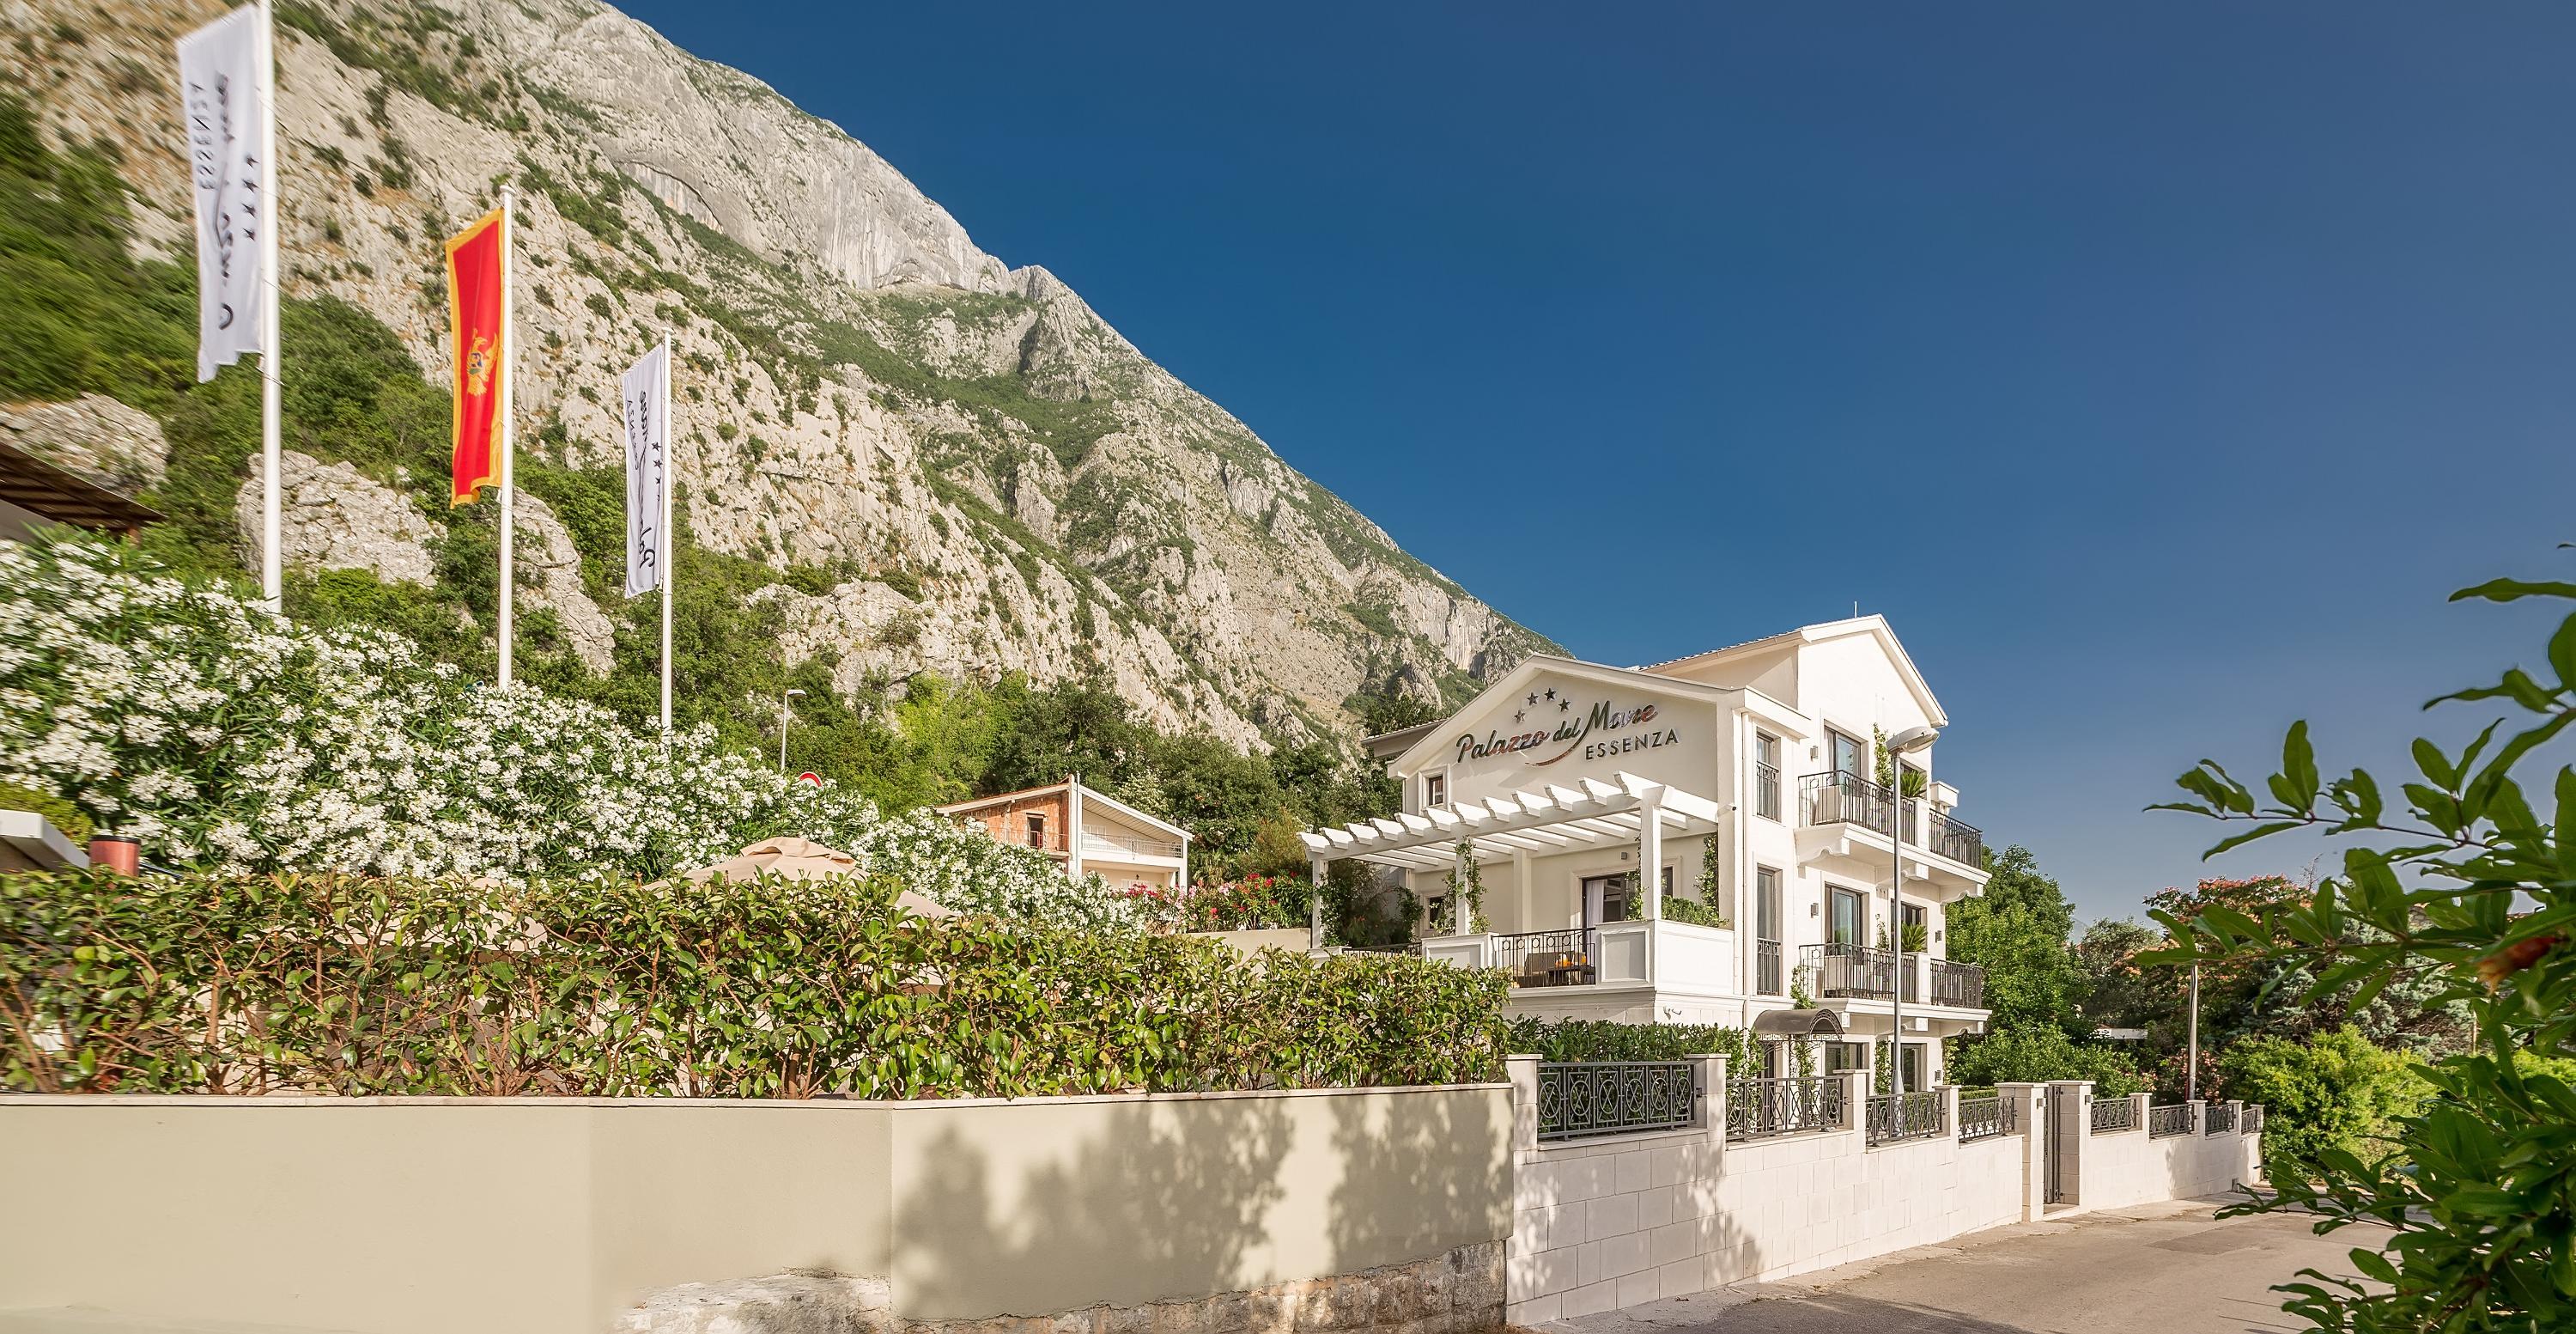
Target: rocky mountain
987	475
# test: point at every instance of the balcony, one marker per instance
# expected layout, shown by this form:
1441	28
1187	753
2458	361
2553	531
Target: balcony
1840	796
1614	954
1857	972
1123	847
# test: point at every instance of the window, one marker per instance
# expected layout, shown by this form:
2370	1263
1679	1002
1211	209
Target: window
1848	754
1766	775
1849	923
1918	928
1435	790
1840	1056
1037	831
1766	932
1613	898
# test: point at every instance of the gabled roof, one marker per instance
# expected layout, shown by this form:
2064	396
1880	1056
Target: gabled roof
1090	796
1446	730
1873	625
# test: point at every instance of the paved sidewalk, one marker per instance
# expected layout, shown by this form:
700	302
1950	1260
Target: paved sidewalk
2156	1269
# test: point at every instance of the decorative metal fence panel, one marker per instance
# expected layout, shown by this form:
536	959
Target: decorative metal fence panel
2220	1119
2174	1120
1903	1116
2111	1115
1984	1116
1581	1099
1762	1108
2252	1122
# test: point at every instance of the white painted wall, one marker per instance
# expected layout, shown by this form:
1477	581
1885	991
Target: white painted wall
1613	1222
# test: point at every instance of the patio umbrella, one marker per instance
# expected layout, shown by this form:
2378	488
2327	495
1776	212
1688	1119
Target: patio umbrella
801	859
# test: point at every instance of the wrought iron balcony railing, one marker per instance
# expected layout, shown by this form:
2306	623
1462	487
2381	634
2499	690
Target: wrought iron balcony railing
1959	984
1903	1116
1763	1108
1839	796
1960	842
1549	958
1766	790
1984	1116
1852	972
1767	980
1582	1099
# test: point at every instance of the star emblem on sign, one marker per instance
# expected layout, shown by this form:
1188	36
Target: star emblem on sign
1534	698
1561	706
1551	693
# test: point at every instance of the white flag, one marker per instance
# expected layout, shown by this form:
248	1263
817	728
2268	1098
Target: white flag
648	468
227	95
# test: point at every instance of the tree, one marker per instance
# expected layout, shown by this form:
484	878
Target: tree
2118	993
2039	1052
2017	931
2462	888
2334	1090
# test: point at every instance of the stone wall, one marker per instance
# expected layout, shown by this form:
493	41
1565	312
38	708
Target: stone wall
1455	1293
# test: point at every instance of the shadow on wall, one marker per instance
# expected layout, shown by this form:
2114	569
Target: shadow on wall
1446	1158
1161	1200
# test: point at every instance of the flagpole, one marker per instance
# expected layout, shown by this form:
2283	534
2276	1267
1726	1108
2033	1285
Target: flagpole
669	481
509	383
272	565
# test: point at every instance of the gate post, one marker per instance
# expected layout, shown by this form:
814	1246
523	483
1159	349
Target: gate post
2025	1104
2070	1125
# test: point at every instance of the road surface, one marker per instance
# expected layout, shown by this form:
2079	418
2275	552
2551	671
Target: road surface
2157	1269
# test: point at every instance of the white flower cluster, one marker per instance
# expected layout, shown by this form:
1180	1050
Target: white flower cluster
223	737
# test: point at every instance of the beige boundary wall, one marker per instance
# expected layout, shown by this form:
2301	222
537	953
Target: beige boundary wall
1616	1221
1258	1213
2125	1167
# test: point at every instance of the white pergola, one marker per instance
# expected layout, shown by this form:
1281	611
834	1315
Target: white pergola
1519	825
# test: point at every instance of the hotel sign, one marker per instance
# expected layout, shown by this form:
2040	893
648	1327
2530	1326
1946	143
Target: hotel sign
1560	731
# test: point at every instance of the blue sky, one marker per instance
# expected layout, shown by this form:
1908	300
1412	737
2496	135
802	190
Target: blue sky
2157	371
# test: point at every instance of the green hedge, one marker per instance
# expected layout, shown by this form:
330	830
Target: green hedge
321	984
1604	1040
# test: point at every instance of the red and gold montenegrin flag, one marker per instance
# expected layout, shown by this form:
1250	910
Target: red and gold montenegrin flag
475	335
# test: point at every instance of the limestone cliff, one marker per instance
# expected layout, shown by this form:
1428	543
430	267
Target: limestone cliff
994	477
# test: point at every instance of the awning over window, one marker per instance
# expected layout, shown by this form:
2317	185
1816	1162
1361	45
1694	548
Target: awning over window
1538	821
1797	1024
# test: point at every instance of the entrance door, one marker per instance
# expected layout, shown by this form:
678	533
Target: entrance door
2067	1118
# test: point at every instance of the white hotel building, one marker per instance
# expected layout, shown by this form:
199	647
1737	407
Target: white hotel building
1565	777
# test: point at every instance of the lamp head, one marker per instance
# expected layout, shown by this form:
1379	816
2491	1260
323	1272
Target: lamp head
792	694
1912	739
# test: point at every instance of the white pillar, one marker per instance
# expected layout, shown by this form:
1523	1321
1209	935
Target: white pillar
1650	853
1464	859
1521	879
2026	1104
1315	905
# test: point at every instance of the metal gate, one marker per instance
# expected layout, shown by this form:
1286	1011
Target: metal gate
2066	1127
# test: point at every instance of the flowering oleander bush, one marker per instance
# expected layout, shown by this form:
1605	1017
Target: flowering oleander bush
1254	902
229	740
336	984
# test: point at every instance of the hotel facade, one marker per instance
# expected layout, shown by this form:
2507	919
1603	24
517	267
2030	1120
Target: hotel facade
1748	780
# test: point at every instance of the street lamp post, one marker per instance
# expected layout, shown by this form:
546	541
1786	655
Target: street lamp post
783	697
1902	744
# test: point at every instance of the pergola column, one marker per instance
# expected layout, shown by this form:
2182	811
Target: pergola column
1650	851
1315	905
1462	858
